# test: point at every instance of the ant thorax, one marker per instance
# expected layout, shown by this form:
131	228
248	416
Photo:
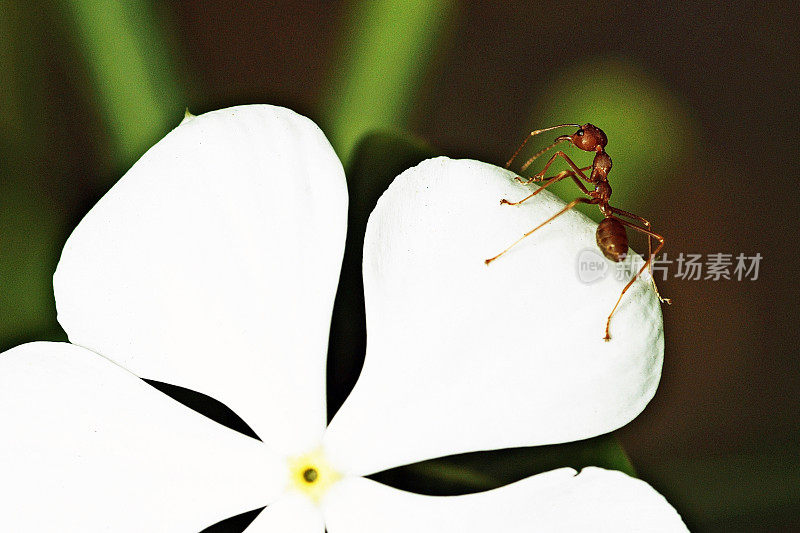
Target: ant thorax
601	166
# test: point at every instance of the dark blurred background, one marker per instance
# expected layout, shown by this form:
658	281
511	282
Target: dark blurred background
699	103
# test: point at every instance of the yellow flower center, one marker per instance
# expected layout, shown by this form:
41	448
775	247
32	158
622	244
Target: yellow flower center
312	475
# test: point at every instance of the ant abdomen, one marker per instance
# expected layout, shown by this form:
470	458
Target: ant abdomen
612	239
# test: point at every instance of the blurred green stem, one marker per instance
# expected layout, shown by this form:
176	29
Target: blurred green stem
385	46
134	79
27	162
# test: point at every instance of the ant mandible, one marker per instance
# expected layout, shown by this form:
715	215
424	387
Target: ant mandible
612	238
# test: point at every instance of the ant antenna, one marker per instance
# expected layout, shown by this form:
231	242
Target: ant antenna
561	139
534	133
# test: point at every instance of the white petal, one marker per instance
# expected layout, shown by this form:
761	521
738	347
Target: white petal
292	514
213	265
463	356
594	500
87	446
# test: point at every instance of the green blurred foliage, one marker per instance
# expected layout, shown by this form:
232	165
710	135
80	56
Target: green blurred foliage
135	78
651	132
29	229
133	82
385	49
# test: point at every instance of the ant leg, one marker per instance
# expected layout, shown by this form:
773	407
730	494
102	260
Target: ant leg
550	181
578	182
649	233
649	247
644	221
558	177
570	173
538	175
566	208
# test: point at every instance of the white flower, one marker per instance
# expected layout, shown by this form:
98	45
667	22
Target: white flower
213	265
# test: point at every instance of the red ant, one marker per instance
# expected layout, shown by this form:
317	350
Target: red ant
612	239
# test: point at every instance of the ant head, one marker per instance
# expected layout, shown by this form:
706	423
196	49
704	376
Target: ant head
588	137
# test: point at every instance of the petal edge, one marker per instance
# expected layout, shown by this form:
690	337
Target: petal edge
478	357
88	446
213	264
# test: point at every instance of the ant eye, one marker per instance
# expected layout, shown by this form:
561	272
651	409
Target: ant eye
579	133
